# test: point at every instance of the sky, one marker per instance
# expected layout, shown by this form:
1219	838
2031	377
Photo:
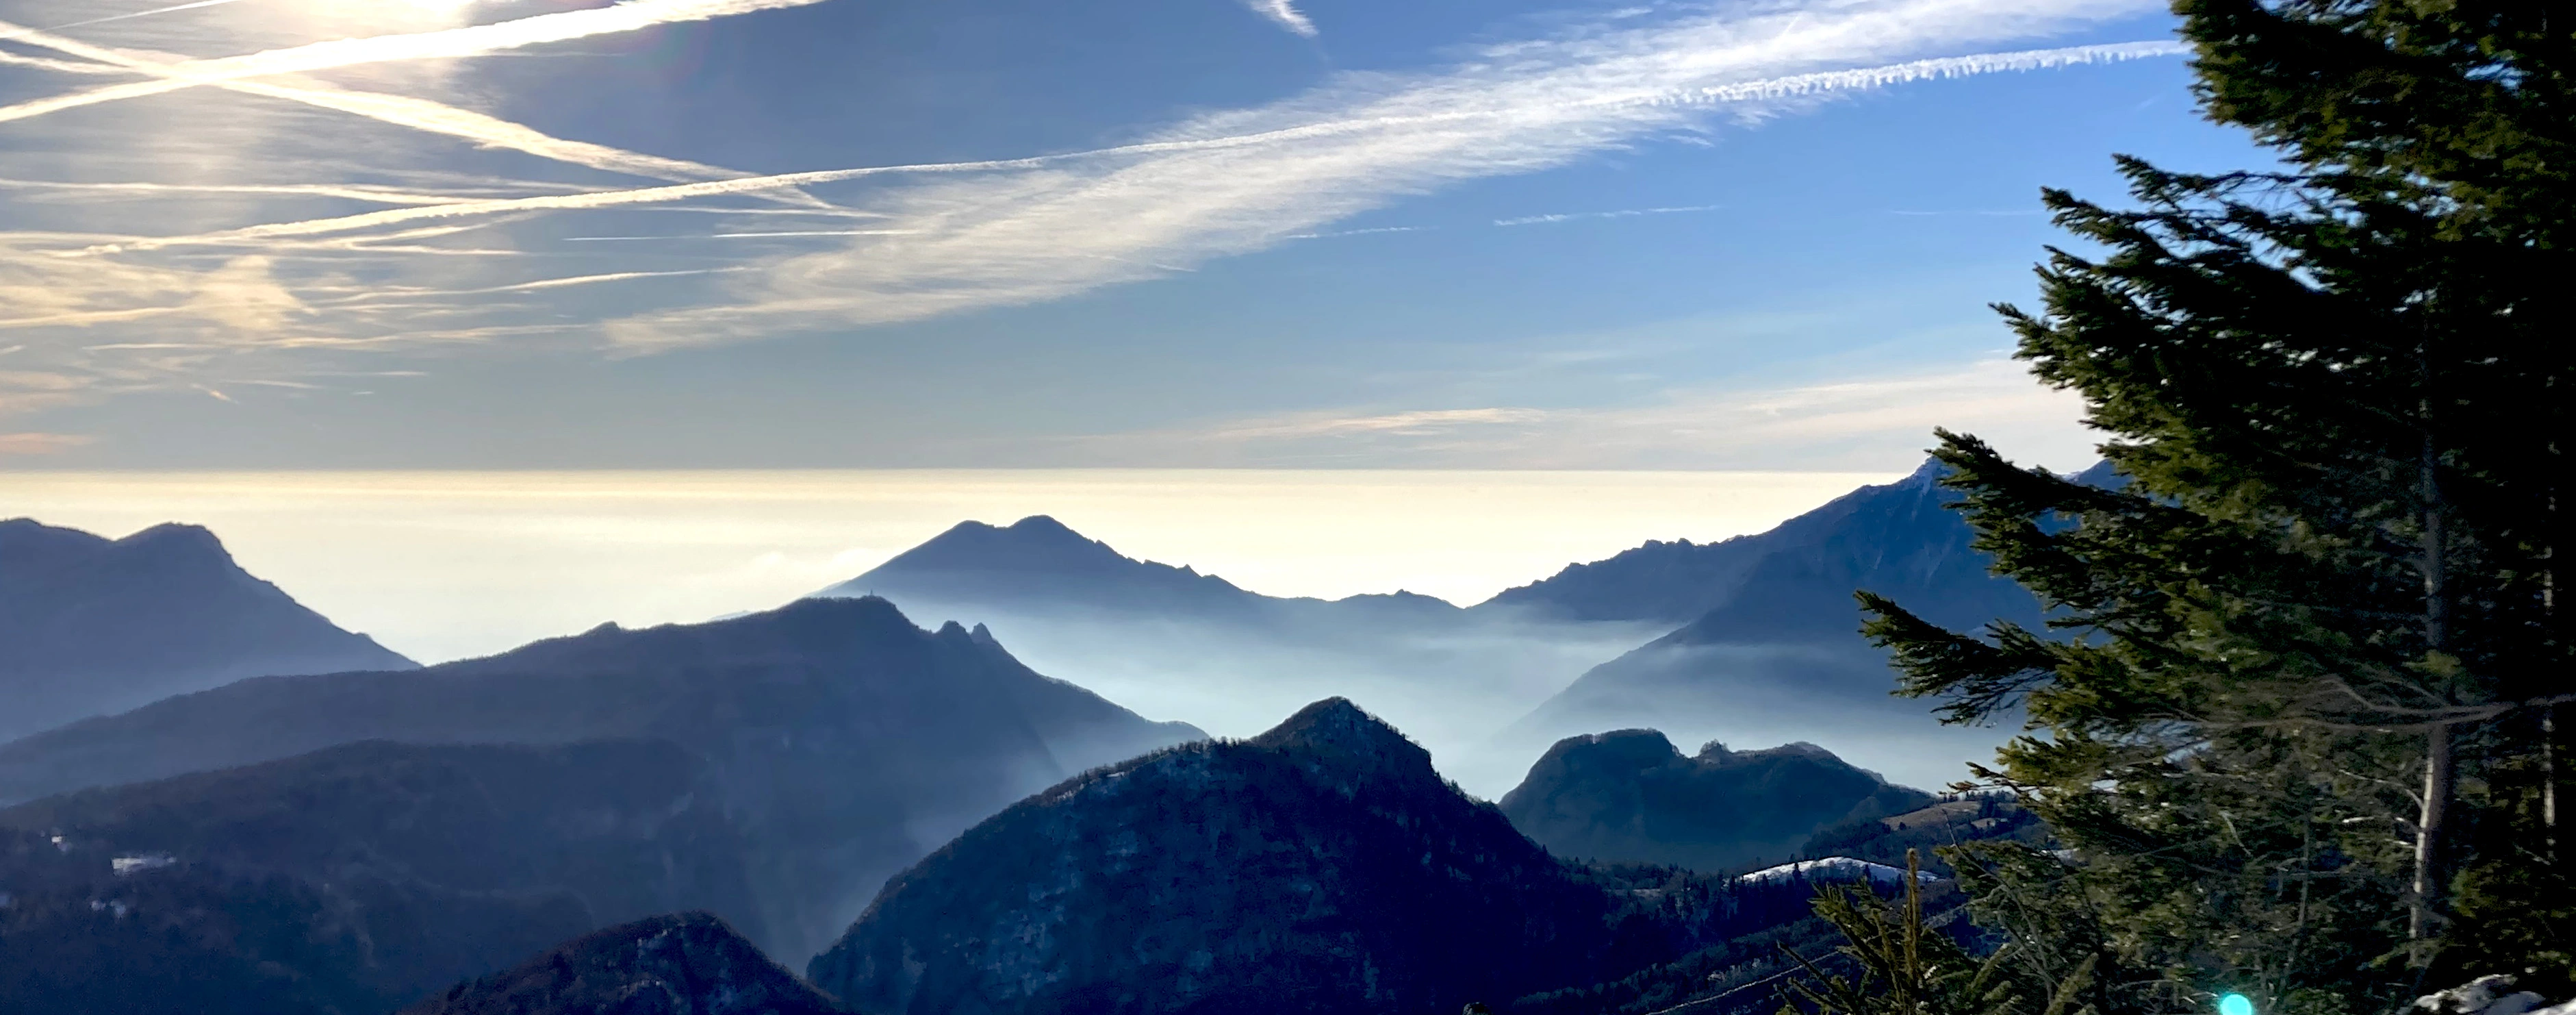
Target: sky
294	235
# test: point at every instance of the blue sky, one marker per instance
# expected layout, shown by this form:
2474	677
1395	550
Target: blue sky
1138	232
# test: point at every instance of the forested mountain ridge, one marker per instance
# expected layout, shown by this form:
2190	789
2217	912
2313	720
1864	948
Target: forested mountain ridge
1629	796
351	879
847	741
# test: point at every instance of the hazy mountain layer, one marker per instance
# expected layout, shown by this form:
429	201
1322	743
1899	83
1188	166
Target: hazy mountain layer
91	626
682	964
351	879
847	741
1176	642
1628	796
1780	655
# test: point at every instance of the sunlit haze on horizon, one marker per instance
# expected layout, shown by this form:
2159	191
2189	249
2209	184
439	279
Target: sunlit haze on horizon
447	565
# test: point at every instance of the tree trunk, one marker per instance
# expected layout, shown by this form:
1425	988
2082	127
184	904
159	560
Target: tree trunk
2440	775
2439	778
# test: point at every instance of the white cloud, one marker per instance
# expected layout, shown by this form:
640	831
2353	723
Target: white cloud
1285	13
1230	183
1871	423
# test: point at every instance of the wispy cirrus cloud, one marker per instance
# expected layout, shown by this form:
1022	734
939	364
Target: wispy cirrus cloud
41	443
1873	422
939	238
1231	183
1285	14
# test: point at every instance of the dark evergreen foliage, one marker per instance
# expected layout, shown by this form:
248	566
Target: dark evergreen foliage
349	880
1629	796
2297	720
681	964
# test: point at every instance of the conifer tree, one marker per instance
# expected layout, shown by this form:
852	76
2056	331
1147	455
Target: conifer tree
2309	656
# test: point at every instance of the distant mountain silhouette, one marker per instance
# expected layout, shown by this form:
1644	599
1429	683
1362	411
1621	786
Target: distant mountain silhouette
1795	578
682	964
1629	796
350	879
91	626
1777	651
1320	867
1174	641
1038	562
846	741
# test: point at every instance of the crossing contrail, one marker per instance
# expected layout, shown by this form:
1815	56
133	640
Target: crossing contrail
1786	86
475	40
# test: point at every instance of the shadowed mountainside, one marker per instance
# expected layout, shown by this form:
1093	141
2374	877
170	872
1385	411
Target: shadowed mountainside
350	879
682	964
92	626
1629	797
1779	655
1320	867
846	741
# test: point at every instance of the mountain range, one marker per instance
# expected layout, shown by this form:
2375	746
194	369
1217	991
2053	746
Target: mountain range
91	626
1629	797
1751	638
1169	640
846	741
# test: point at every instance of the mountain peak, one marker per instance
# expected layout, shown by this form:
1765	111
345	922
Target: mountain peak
1339	730
1044	525
685	962
177	534
91	626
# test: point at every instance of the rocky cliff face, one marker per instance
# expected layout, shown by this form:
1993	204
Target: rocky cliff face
684	964
1629	796
92	626
1320	867
846	741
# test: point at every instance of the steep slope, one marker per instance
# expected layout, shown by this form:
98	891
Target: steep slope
1173	641
1628	796
91	626
683	964
1795	579
350	879
1320	867
846	741
1780	655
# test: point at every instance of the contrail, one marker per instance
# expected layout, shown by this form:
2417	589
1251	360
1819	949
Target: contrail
628	16
739	236
374	194
418	114
144	14
61	66
1532	220
1792	85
